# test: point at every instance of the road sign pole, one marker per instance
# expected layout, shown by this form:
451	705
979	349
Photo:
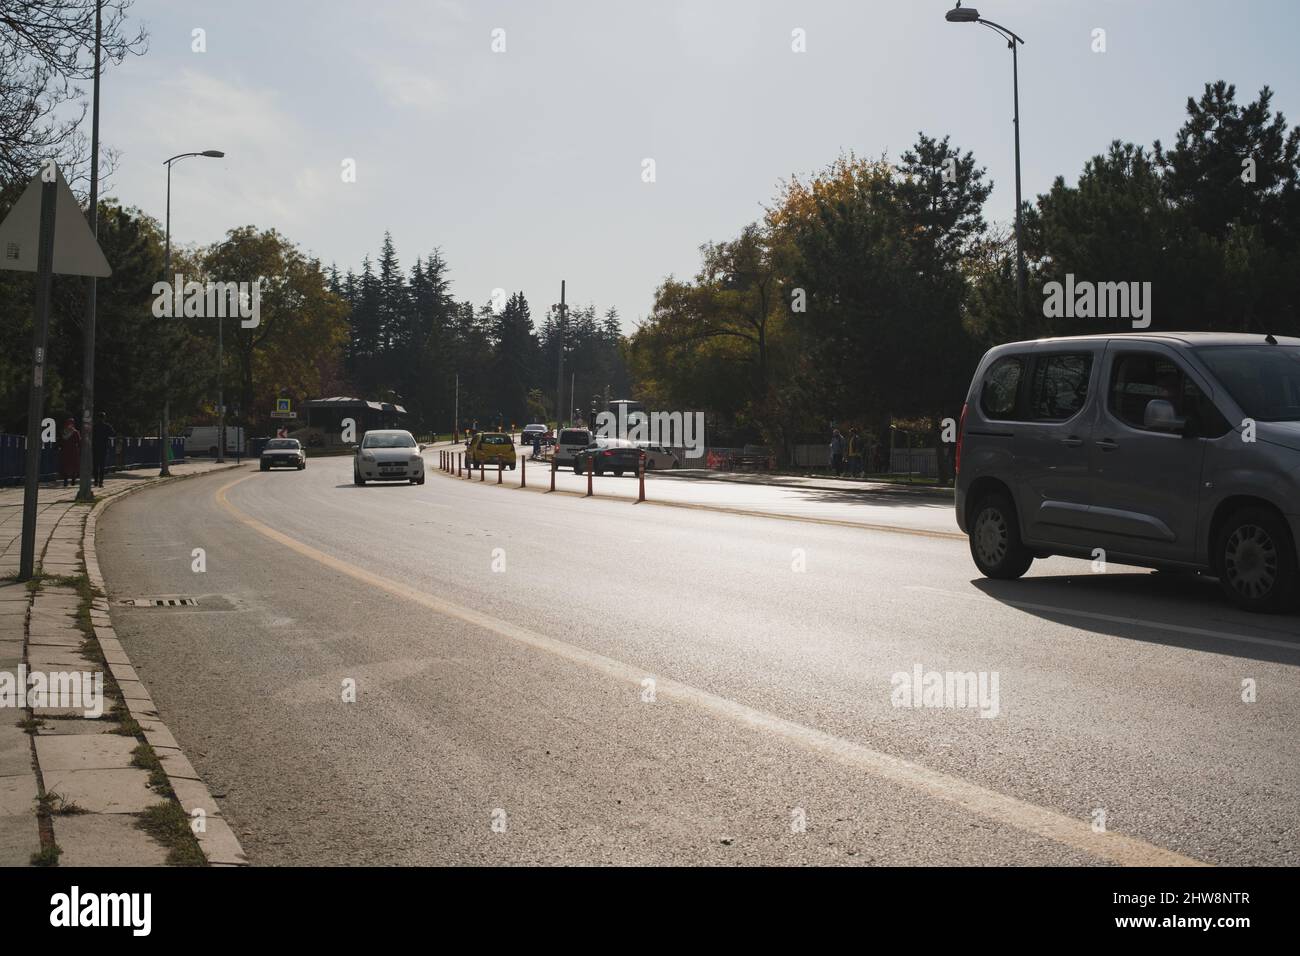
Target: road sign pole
36	405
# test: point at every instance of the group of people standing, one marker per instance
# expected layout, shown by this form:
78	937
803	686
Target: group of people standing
101	436
848	454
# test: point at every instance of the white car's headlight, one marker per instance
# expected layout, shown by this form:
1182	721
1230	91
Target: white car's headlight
417	459
367	456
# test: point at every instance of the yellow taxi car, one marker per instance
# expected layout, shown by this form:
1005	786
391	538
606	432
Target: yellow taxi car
491	448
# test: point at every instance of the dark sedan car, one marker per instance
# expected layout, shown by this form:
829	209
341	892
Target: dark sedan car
606	456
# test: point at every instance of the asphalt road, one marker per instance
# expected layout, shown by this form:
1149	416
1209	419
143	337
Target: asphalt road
769	734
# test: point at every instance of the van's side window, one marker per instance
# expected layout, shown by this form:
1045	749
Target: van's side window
1140	377
1000	395
1060	386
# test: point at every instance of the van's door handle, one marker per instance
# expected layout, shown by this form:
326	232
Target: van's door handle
1108	444
1074	441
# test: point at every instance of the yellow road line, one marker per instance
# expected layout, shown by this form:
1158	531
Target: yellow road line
1028	817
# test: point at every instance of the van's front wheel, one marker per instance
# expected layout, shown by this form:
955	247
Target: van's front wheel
995	539
1257	561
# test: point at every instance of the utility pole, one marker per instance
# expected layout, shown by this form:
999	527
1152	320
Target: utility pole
559	374
84	490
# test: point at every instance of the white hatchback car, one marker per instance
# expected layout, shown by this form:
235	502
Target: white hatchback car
388	454
657	457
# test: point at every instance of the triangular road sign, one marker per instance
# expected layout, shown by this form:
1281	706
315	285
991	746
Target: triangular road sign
76	253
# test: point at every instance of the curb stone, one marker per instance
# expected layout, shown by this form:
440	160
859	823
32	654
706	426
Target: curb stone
217	841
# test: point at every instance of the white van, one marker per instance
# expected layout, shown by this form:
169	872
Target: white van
569	443
203	440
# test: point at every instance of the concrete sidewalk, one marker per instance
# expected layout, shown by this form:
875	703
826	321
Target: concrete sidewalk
95	778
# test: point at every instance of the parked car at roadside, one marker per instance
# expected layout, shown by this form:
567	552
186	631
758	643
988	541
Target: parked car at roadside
204	439
492	449
388	454
569	442
608	455
282	453
659	457
530	432
1175	450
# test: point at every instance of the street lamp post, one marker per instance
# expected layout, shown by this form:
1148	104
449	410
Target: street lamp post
221	394
164	471
960	14
85	485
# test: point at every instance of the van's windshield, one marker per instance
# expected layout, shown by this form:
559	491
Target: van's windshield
1263	379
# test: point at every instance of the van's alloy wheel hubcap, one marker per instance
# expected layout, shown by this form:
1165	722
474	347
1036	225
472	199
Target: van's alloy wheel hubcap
1250	561
991	536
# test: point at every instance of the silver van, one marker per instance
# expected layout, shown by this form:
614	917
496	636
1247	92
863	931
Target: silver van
1170	450
569	442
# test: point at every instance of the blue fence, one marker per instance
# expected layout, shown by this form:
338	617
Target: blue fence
124	452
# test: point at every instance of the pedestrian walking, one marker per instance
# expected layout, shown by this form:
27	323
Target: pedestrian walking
69	452
101	436
837	452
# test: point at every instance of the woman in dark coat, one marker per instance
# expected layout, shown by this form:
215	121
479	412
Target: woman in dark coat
69	452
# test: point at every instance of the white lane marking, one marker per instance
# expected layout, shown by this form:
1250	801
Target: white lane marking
1030	818
1115	619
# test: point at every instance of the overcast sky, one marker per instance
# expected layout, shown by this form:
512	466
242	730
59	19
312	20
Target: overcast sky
525	166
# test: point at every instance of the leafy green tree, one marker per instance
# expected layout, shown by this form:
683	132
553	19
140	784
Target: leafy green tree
300	320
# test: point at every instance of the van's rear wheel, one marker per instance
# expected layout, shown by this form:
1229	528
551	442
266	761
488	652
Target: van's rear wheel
995	539
1257	561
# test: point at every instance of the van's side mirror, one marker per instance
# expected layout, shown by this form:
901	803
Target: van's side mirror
1161	417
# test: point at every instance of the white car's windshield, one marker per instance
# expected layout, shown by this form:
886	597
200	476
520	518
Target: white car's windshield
389	440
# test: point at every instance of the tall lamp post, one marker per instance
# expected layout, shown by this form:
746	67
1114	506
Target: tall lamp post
85	484
164	471
960	14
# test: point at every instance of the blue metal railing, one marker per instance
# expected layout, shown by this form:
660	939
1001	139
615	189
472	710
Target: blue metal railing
124	452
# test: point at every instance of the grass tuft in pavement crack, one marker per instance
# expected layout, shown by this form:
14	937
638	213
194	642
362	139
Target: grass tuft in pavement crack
47	855
144	757
54	804
168	824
